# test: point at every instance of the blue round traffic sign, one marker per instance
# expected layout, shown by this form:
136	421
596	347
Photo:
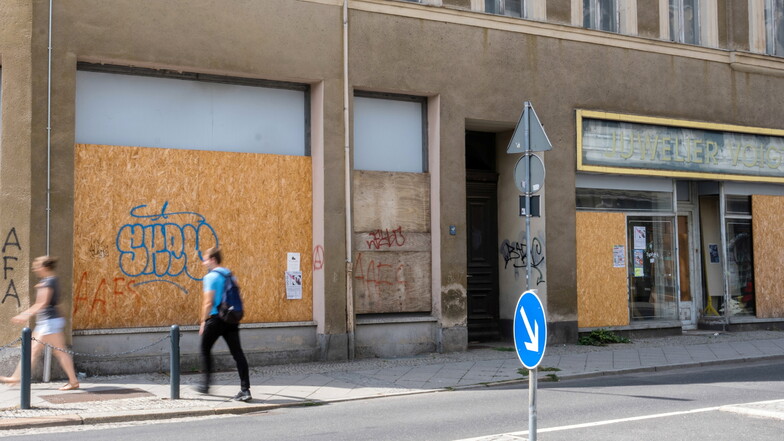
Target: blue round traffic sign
530	330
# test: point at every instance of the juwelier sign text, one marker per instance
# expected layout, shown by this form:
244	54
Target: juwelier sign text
615	143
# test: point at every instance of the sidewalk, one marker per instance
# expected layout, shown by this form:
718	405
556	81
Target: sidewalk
147	396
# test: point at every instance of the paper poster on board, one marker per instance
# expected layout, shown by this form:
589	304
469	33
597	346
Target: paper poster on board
293	285
292	262
619	256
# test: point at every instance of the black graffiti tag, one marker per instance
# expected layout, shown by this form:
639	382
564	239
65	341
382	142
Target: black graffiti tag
11	240
515	252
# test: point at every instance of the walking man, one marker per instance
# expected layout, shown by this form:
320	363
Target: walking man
213	327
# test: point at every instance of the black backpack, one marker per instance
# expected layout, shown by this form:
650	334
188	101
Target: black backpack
230	308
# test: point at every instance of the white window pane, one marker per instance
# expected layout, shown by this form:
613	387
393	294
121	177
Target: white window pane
691	24
601	15
774	24
388	135
130	110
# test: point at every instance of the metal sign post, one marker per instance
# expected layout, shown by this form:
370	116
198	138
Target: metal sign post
530	168
529	313
530	337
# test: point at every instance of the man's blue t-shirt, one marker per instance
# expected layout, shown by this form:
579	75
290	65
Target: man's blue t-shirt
214	282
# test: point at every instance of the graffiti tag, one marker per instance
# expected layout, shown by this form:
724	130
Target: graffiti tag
385	238
515	252
377	276
161	244
11	240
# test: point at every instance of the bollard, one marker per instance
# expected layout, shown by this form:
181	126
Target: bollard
25	369
174	362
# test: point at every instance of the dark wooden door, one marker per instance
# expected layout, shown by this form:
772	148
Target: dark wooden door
482	230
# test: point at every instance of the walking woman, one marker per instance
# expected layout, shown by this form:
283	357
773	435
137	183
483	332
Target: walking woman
49	323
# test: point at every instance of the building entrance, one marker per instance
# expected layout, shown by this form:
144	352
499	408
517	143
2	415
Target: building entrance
482	237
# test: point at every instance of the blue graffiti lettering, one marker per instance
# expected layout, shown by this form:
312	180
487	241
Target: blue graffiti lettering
158	246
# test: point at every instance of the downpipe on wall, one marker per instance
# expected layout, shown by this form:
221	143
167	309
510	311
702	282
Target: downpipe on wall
347	159
47	373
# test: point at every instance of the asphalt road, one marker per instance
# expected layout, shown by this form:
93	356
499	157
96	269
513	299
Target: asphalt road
674	405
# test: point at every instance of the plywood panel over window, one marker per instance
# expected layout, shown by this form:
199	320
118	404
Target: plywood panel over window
767	219
392	257
602	290
142	215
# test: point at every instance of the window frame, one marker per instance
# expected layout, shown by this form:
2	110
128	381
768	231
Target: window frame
502	8
423	100
594	16
707	21
770	8
677	31
626	16
530	9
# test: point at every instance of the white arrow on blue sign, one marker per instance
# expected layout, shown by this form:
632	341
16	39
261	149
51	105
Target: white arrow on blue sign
530	330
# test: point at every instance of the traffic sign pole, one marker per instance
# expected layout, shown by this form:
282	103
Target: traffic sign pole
530	338
529	313
527	133
532	380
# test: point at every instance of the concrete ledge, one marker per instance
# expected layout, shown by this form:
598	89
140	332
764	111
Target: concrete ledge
392	336
137	351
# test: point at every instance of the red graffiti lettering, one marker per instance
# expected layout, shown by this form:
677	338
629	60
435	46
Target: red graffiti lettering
380	278
386	238
318	257
97	298
79	297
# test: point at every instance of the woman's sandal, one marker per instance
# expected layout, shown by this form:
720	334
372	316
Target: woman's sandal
70	386
9	380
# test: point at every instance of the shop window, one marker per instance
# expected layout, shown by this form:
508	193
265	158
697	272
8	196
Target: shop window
738	205
623	200
652	273
684	21
774	27
740	268
389	133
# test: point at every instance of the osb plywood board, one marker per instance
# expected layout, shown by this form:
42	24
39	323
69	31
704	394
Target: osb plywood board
768	242
391	282
142	215
391	241
391	200
602	291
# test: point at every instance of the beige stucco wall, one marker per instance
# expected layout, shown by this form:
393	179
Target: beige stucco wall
227	38
15	161
480	68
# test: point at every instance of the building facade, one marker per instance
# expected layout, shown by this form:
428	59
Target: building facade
350	158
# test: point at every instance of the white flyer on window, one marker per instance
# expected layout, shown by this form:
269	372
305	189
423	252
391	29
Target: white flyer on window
293	285
639	238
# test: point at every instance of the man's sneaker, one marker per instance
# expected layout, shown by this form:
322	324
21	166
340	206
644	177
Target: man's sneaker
202	389
243	395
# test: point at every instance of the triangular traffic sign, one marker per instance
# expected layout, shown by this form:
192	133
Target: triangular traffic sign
538	138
